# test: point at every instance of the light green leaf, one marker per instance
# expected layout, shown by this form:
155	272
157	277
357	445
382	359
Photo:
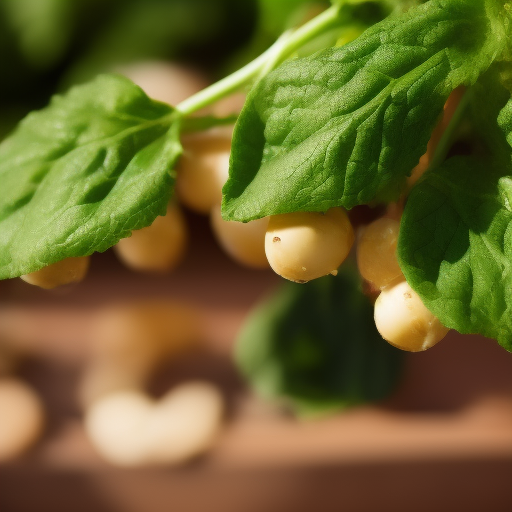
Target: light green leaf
84	172
315	347
346	125
455	247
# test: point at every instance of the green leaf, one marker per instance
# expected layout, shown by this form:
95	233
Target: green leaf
505	124
315	347
346	125
455	247
276	16
390	5
490	100
84	172
455	244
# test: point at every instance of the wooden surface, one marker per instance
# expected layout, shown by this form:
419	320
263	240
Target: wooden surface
443	441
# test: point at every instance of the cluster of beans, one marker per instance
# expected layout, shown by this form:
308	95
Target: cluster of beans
127	426
124	424
304	246
298	246
201	173
400	315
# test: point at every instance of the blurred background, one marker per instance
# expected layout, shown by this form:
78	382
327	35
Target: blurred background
125	392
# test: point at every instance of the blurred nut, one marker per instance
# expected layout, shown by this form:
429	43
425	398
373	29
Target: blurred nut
123	331
131	340
129	429
157	248
185	422
116	426
203	169
21	418
244	242
66	271
165	81
102	378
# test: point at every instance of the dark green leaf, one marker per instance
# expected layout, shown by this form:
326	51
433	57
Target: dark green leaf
455	244
490	100
505	124
315	347
347	125
455	247
84	172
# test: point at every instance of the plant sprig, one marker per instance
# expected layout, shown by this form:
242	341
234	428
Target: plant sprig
288	43
341	127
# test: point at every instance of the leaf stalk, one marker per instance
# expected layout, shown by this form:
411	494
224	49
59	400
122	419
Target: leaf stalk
282	48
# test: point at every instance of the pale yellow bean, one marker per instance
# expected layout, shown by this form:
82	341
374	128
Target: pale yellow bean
21	418
244	242
306	245
66	271
403	320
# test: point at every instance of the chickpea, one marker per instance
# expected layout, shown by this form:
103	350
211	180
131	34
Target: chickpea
156	248
203	169
66	271
21	418
403	320
376	252
244	242
306	245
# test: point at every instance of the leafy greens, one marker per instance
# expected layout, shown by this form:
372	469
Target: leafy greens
455	241
346	125
81	174
341	127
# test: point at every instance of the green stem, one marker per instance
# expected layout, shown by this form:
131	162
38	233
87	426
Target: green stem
282	48
446	139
